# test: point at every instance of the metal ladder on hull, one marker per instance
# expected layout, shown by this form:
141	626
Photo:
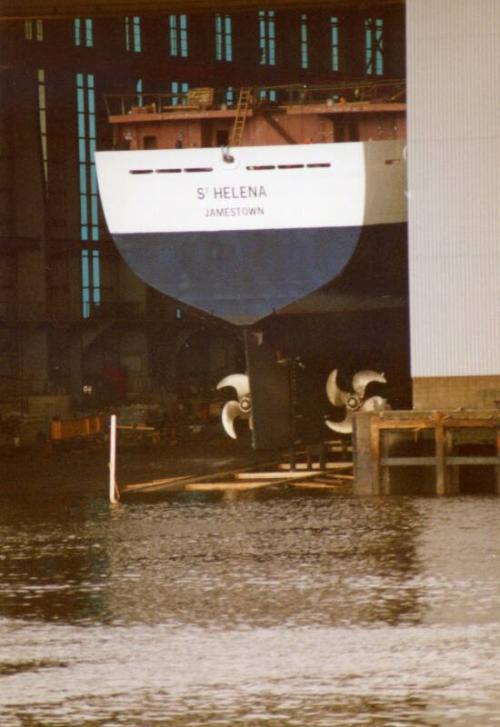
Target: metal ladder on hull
244	101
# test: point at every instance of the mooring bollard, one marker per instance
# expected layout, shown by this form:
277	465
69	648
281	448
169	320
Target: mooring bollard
113	490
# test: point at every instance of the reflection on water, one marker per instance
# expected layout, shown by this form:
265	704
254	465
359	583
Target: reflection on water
269	610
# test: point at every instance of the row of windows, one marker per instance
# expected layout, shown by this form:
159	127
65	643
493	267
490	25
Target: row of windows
179	46
87	179
89	203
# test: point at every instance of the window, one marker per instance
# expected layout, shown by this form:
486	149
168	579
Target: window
33	29
133	40
178	89
374	46
267	38
139	87
89	211
229	96
91	280
84	32
334	39
223	38
304	44
267	94
42	119
178	35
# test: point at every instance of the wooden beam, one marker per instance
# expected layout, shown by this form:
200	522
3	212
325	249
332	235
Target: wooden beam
316	466
375	453
225	486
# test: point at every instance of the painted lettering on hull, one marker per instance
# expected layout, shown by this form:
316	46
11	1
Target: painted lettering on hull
241	192
233	211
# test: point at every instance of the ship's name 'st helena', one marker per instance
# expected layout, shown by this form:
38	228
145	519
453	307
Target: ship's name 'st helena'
242	192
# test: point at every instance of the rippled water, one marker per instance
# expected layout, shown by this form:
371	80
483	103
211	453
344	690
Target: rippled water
273	610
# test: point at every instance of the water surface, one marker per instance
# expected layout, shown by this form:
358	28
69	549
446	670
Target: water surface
278	609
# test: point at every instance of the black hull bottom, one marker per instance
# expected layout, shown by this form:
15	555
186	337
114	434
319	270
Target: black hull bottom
244	276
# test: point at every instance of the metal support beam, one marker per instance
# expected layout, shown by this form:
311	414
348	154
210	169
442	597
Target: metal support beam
45	9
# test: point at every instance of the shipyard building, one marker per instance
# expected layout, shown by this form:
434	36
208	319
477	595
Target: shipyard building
80	330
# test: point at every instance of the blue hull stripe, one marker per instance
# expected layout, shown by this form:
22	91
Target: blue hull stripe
244	274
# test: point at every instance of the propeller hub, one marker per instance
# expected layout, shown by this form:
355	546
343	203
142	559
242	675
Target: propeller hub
353	402
245	404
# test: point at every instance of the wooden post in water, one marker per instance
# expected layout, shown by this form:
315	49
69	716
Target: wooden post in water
441	467
497	468
113	493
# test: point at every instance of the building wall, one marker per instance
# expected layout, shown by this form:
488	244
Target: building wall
454	193
456	392
47	341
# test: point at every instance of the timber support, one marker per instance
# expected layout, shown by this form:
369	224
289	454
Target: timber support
394	448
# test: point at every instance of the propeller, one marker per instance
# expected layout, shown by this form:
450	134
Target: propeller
354	401
236	408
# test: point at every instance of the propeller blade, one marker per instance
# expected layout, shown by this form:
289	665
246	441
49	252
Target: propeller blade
375	403
344	427
361	380
240	382
336	396
230	411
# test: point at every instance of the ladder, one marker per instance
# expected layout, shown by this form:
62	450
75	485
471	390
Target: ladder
244	101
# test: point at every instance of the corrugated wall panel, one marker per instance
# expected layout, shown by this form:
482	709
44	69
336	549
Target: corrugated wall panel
453	49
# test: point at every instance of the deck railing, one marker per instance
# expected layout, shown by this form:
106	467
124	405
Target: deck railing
363	91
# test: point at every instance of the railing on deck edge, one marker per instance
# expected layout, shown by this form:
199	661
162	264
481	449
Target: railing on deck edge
363	91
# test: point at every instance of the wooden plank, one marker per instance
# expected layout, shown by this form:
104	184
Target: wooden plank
431	461
406	424
165	482
272	475
318	486
473	460
448	421
225	486
251	484
335	478
408	462
316	466
169	483
276	475
176	485
490	423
